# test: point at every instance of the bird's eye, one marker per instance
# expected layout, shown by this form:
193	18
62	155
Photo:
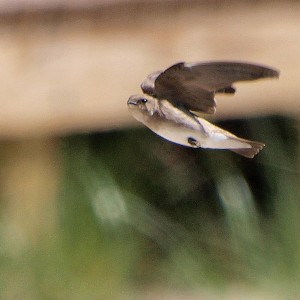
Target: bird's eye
144	100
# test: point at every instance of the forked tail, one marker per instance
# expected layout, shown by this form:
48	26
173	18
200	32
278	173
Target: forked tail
249	152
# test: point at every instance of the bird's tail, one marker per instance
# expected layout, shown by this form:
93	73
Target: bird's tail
249	152
223	139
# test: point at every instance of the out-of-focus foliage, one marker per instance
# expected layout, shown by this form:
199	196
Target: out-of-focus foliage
136	211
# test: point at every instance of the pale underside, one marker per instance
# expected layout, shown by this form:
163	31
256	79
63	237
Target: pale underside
179	126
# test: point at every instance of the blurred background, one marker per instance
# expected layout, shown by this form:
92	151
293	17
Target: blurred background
95	206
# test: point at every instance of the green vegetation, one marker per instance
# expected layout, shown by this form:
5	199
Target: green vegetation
136	212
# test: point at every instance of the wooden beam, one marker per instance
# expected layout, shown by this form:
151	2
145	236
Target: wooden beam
71	72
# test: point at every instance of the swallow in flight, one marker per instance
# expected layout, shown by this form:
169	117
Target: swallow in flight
172	99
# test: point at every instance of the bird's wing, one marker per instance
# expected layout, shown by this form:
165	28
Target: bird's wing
194	85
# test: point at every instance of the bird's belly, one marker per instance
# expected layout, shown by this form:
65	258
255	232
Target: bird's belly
179	134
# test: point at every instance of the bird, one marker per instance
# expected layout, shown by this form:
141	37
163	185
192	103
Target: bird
173	100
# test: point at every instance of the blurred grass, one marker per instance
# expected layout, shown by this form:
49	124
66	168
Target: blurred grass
136	212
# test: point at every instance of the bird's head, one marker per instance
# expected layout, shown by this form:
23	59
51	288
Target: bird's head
142	106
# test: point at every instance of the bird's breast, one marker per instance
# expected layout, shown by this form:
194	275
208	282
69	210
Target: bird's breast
179	131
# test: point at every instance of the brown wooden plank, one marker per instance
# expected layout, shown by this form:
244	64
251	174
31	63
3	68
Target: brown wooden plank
71	72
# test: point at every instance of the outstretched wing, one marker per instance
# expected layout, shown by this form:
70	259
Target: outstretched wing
194	85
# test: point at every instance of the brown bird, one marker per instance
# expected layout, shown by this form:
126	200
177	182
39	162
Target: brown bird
172	99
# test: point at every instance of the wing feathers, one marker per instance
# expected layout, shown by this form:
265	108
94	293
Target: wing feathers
194	85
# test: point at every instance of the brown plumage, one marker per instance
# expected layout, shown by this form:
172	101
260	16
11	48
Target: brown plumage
173	96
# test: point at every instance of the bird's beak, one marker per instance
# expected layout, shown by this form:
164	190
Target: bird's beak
131	102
